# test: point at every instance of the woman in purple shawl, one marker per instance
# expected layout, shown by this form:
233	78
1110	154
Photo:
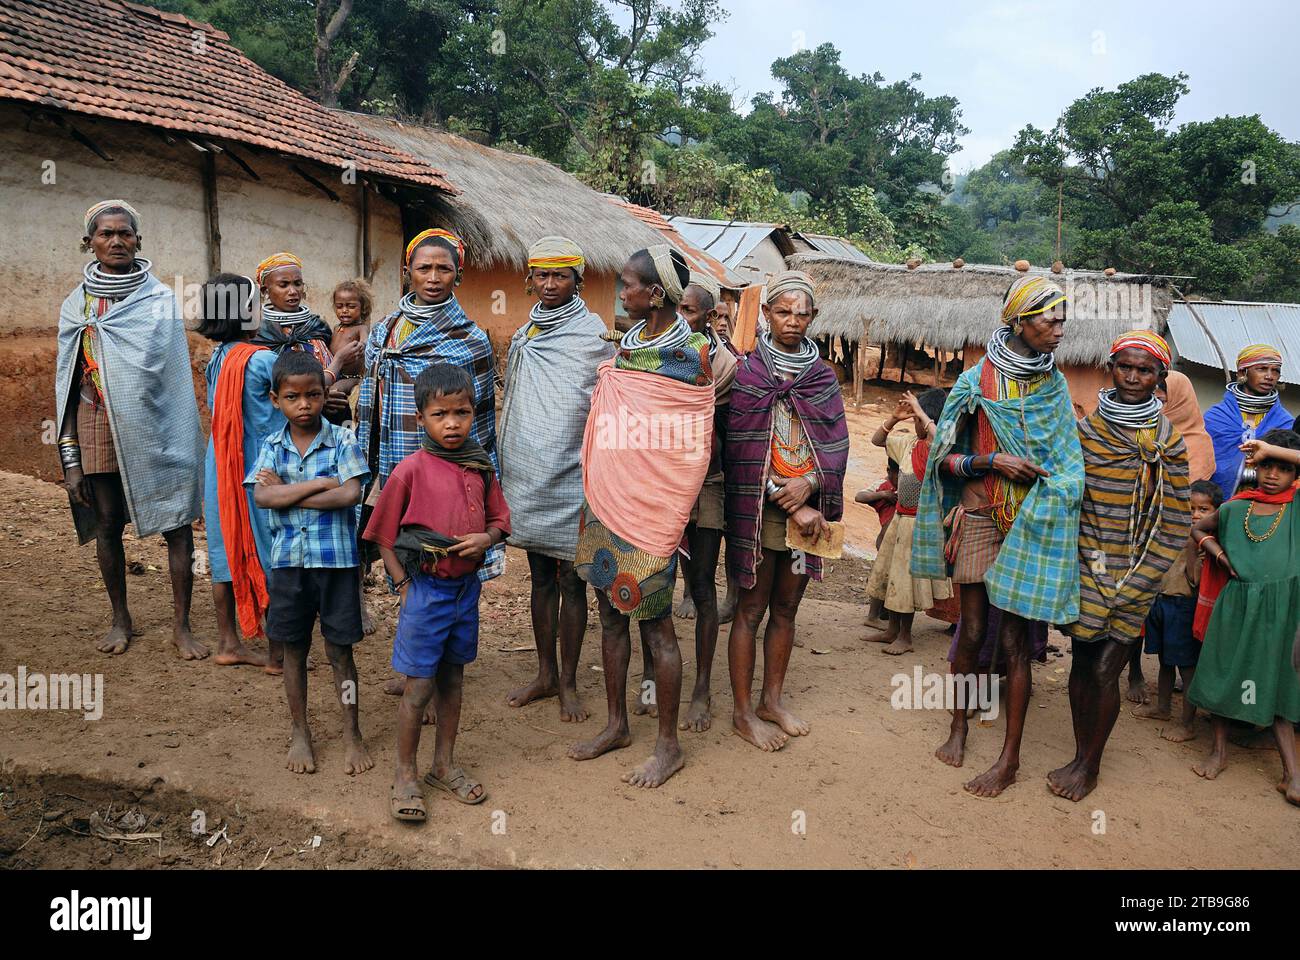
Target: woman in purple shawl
786	448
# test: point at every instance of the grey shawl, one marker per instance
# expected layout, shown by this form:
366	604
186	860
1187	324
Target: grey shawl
548	384
144	363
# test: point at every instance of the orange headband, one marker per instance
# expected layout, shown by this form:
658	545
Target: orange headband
443	234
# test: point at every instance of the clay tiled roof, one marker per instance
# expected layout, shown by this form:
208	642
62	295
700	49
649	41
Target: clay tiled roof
124	61
696	258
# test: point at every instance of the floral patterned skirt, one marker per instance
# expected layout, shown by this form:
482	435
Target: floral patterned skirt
637	584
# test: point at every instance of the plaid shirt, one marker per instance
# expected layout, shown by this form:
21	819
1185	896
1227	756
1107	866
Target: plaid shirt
305	537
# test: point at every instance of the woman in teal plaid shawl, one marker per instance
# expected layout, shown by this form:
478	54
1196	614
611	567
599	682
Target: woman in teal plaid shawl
1000	505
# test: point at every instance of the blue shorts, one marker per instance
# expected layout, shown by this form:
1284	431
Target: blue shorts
438	623
1169	631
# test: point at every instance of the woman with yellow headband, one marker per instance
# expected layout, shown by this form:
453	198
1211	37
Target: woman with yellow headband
1250	408
999	505
550	375
289	324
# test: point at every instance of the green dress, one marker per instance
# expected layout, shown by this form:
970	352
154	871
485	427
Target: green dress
1254	623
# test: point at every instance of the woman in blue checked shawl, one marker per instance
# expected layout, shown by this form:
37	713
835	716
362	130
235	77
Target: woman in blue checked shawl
999	507
428	327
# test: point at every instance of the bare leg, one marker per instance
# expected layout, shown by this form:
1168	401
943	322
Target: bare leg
573	624
367	619
685	609
180	563
727	609
891	632
1186	728
1014	642
778	640
301	757
1214	764
410	711
702	570
1289	785
451	682
1137	684
974	618
647	696
667	759
740	658
1098	666
110	519
1160	710
615	652
357	758
544	602
903	642
230	648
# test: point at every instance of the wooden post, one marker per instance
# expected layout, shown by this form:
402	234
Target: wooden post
902	362
936	366
880	367
213	214
858	362
366	270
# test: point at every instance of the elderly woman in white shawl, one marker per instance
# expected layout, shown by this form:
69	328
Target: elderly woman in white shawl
550	373
129	439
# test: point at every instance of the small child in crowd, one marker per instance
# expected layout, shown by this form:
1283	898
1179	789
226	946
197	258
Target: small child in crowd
884	500
352	305
1169	624
436	517
1245	670
309	478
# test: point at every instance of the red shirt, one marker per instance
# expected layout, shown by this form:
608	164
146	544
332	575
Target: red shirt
431	492
885	511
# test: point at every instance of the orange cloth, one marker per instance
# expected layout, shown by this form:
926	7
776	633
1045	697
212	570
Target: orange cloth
1185	414
645	453
246	575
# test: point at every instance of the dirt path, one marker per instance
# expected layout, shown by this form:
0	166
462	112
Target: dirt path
177	737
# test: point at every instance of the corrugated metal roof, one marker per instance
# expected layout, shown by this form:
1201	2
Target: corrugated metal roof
696	258
835	247
729	242
1234	325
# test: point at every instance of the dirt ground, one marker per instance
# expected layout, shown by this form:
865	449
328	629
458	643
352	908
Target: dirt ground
179	737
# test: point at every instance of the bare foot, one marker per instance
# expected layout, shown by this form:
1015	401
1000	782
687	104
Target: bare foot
1137	691
274	668
698	718
686	609
301	758
727	610
116	640
367	619
395	686
953	750
239	654
1211	766
1178	733
641	707
1291	790
765	736
992	781
897	648
1255	739
538	689
357	760
783	718
186	646
1151	711
571	708
611	738
889	636
656	770
1072	781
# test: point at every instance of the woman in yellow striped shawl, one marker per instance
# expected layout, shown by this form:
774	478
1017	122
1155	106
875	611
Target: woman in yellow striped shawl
1133	523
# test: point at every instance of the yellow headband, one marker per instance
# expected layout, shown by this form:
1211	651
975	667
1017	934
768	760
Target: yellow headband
1256	354
1030	296
553	253
275	262
438	232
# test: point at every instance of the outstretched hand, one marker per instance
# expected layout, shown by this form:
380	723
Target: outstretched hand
1257	450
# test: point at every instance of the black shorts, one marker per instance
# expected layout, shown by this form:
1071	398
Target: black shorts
298	596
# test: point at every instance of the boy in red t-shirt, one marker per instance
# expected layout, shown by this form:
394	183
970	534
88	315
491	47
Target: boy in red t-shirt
438	514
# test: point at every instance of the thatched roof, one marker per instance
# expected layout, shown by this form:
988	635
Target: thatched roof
951	308
509	200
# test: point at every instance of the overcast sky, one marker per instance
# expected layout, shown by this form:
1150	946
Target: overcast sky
1012	62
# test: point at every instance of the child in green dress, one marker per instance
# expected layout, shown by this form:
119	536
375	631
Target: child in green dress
1244	672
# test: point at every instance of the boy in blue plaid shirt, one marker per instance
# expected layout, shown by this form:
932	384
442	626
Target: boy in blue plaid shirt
309	477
